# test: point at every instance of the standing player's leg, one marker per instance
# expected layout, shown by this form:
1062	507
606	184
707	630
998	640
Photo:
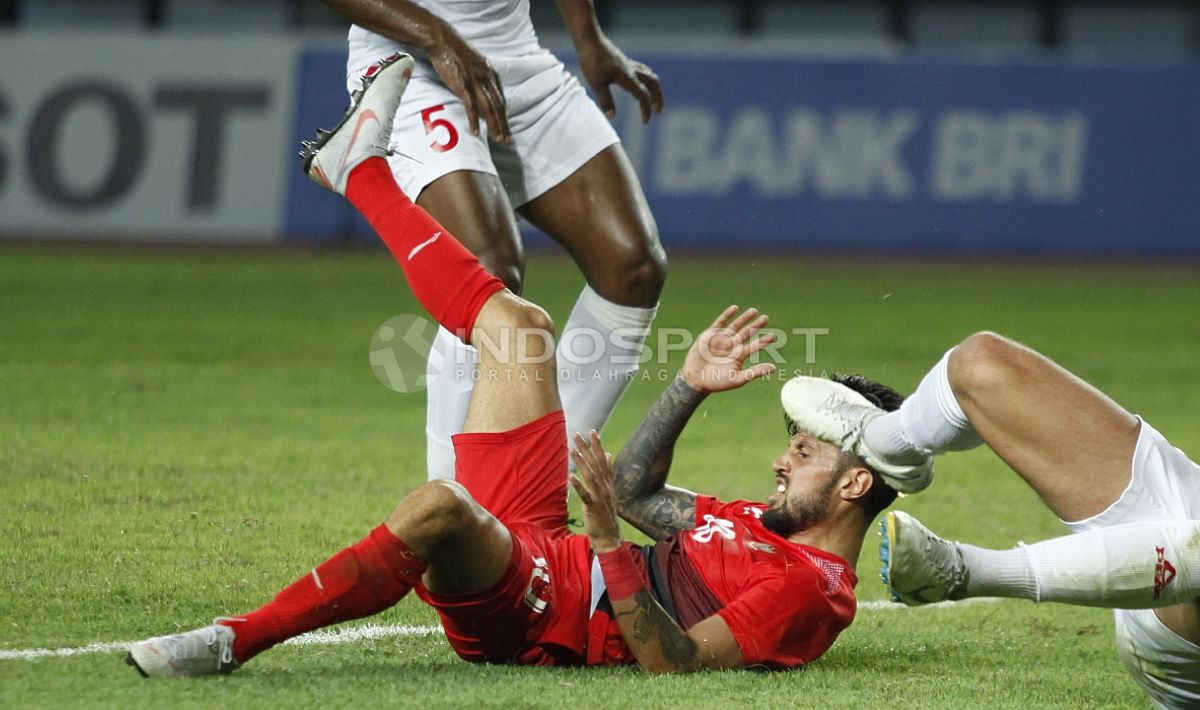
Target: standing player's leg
599	214
584	194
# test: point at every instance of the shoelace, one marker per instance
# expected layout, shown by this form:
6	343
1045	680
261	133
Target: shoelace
224	653
391	149
952	576
849	414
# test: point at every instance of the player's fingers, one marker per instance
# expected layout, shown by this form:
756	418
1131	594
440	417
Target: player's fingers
580	445
743	320
497	109
637	89
751	348
725	315
651	81
757	344
596	444
604	99
592	450
752	328
469	103
583	453
583	471
602	471
487	109
585	496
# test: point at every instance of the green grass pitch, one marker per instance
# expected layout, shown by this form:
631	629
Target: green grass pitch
182	434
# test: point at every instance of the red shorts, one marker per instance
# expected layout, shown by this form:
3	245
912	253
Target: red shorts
537	614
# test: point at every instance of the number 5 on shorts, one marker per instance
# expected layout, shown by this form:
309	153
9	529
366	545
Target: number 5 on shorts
432	124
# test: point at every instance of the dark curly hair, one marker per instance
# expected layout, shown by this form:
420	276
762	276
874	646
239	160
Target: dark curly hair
881	494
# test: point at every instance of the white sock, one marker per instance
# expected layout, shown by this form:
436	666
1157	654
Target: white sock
1132	566
929	422
1000	573
598	356
450	377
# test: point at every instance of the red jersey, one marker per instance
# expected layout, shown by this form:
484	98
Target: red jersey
785	603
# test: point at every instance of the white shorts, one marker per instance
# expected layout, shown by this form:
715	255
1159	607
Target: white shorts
555	128
1164	486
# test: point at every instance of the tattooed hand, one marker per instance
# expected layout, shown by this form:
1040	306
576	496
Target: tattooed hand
594	484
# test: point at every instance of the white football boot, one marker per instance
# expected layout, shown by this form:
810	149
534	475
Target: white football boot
366	128
204	651
835	413
917	566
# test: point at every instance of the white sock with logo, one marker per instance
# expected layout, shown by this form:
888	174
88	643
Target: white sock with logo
929	422
599	354
450	373
1132	566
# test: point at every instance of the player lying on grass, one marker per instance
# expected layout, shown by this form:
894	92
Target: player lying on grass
1132	498
730	584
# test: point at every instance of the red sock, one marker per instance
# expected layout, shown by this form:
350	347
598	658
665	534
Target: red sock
446	278
363	579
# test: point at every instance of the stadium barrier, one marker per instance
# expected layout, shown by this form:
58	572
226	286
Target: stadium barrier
191	139
145	137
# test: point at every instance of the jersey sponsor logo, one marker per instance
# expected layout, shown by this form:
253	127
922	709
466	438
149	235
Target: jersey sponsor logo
1164	572
841	152
756	511
713	526
537	595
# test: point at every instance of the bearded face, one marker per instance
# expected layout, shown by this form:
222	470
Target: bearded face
789	514
806	476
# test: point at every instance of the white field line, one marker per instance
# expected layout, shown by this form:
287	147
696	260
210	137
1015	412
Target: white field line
330	637
883	605
368	632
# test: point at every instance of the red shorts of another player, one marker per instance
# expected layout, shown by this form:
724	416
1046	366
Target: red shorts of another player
537	614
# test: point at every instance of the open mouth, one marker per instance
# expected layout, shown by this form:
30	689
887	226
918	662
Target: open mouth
780	488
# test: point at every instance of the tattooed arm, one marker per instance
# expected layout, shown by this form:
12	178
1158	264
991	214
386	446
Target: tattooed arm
662	646
640	472
637	488
713	364
658	642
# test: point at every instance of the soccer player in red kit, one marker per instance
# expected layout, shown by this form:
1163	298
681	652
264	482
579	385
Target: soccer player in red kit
728	585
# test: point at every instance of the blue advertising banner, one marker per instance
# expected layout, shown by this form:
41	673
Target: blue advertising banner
889	155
